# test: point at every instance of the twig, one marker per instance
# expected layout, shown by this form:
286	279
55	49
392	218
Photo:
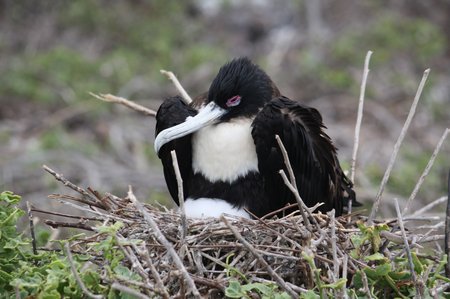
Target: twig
408	250
344	273
179	87
79	225
128	290
163	240
286	161
426	171
334	247
75	274
62	179
359	116
260	259
134	261
119	100
33	209
30	219
366	284
447	229
155	273
429	206
299	200
180	196
397	147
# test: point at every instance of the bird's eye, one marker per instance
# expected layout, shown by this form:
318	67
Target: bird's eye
234	101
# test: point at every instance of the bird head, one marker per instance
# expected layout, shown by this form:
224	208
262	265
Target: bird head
240	89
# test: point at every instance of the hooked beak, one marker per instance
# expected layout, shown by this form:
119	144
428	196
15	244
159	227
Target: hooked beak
206	116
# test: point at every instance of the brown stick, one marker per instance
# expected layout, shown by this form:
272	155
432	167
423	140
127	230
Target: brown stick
187	99
163	240
62	179
397	147
118	100
30	219
184	225
128	290
75	274
426	171
260	259
447	230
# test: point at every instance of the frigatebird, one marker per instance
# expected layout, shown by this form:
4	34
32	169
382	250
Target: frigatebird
229	158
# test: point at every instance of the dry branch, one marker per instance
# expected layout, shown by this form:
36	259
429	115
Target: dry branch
426	171
359	117
397	146
118	100
187	99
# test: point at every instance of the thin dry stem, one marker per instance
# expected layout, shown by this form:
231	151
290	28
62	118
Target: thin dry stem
128	290
426	171
429	206
408	250
397	147
127	103
447	230
178	86
359	116
286	161
301	204
163	240
69	184
30	219
184	224
333	246
260	259
77	277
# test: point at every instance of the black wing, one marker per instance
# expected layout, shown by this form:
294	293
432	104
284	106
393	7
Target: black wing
172	112
312	155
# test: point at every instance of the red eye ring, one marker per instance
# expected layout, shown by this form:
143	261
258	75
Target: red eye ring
234	101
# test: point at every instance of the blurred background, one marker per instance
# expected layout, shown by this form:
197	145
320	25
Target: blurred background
53	53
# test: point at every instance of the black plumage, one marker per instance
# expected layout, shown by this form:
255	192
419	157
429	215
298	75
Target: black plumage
242	91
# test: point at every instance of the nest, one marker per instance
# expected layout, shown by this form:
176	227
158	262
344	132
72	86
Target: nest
175	255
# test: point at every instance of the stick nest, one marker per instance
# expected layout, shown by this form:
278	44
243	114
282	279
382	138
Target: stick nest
205	255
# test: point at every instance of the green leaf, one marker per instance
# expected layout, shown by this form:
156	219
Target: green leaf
336	285
383	270
375	257
234	290
309	295
418	267
262	288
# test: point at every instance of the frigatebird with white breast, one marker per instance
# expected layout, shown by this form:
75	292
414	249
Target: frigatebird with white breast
228	155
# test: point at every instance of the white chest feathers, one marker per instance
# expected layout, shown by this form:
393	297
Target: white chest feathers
225	151
211	207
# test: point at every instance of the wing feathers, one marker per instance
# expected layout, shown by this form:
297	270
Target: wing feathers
311	153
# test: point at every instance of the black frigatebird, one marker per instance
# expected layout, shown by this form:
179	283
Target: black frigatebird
228	156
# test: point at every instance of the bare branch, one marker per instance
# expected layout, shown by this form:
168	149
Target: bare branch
179	87
359	116
180	195
419	289
397	147
118	100
30	219
260	259
128	290
163	240
75	274
426	171
431	205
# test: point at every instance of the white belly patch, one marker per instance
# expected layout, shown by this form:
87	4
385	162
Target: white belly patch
225	151
211	207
